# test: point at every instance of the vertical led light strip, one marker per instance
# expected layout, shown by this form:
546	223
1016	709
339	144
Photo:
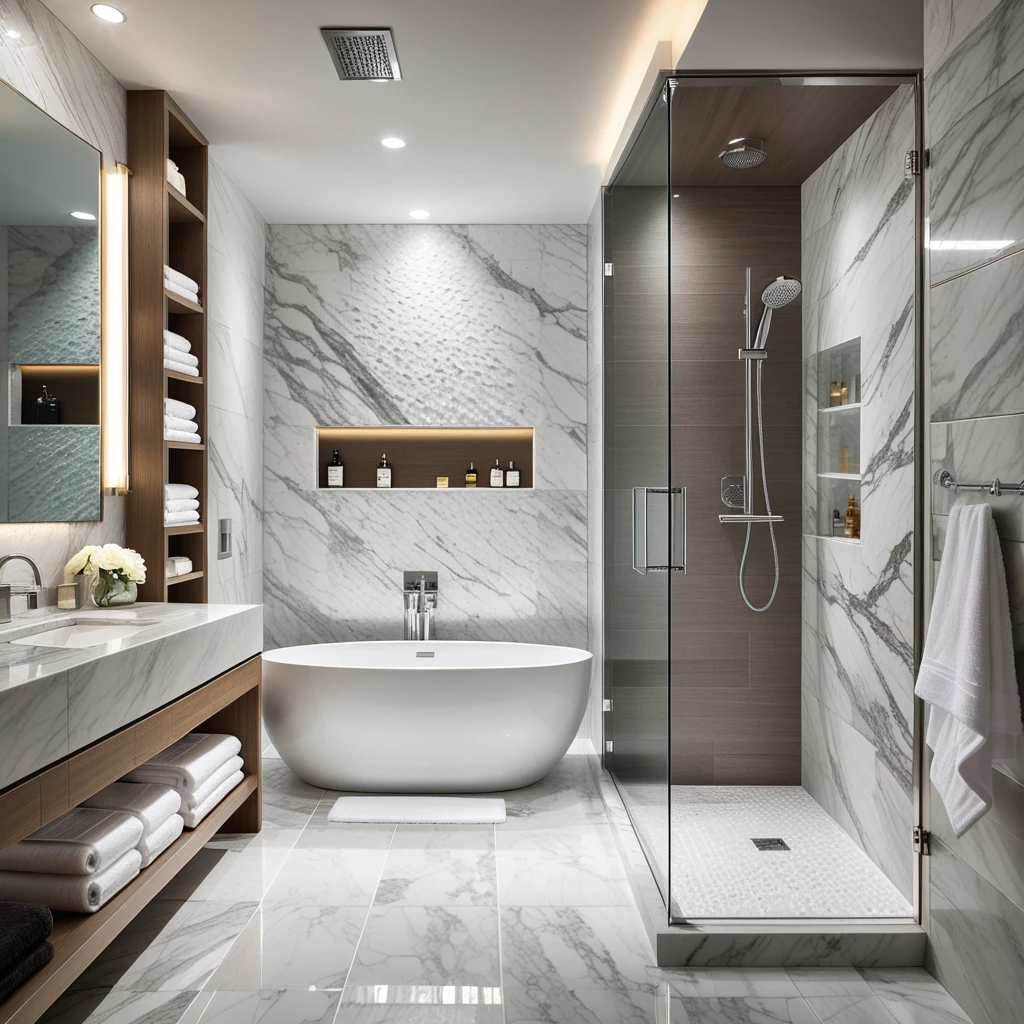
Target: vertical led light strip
114	370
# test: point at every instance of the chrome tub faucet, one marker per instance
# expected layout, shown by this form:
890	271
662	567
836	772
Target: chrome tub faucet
420	595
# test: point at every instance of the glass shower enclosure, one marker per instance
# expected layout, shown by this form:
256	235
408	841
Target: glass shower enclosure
762	248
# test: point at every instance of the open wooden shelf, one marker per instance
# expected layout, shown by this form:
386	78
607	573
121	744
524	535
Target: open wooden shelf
176	304
166	228
180	210
75	385
184	578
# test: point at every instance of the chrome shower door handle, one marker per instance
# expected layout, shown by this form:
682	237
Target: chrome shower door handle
659	529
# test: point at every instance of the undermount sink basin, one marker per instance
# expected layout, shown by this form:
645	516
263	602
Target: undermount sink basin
81	634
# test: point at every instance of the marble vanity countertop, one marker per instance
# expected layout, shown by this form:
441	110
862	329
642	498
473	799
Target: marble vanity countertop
54	700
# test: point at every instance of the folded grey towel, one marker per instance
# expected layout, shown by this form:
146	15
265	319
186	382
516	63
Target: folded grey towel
83	841
150	803
81	894
22	926
19	972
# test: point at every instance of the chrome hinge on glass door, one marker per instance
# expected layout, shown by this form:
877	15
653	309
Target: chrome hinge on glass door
922	841
659	529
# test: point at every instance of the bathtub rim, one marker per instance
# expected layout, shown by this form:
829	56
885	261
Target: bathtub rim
274	656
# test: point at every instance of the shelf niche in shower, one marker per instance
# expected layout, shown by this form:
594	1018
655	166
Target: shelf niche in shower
839	401
419	455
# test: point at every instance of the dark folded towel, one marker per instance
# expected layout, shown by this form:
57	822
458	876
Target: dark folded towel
17	974
22	925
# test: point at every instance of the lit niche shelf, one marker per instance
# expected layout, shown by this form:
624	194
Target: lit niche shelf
419	455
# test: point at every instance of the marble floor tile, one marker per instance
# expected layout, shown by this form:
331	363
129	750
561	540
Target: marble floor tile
849	1010
336	868
420	1013
576	865
289	1006
913	996
548	949
567	795
687	984
829	982
288	802
749	1010
292	947
189	948
773	982
564	1005
233	868
117	1006
413	947
429	865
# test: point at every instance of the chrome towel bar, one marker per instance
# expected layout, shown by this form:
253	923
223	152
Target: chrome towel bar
994	487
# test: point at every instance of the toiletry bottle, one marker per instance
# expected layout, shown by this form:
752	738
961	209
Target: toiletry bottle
838	527
511	475
336	471
852	519
384	472
834	393
471	476
497	476
844	393
844	459
856	521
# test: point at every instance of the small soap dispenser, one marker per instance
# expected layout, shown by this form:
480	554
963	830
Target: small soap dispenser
336	471
511	475
471	476
383	472
497	476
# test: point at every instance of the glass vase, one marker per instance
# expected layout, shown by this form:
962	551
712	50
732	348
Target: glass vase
110	590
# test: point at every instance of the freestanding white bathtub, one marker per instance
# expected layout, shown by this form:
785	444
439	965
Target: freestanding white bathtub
437	717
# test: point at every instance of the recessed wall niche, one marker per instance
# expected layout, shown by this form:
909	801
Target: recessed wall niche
839	440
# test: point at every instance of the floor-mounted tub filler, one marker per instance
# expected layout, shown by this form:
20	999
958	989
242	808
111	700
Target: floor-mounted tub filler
437	717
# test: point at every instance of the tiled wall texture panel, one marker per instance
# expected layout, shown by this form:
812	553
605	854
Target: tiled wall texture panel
858	610
480	325
974	59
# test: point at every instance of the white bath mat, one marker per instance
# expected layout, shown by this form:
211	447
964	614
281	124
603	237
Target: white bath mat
419	810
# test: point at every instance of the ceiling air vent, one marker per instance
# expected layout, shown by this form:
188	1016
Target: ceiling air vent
363	54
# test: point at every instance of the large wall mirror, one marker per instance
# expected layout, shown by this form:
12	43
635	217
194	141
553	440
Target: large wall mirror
49	318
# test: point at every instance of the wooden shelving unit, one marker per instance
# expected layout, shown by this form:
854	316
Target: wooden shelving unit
165	227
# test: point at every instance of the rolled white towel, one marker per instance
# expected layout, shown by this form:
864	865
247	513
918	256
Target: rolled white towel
181	505
150	803
183	293
181	435
193	817
187	763
83	841
180	279
180	519
178	343
190	801
188	426
174	491
180	357
173	364
156	842
81	894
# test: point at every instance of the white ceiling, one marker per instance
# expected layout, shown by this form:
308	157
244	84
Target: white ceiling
505	104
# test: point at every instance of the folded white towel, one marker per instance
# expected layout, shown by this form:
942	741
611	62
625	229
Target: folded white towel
190	801
180	519
170	569
183	293
181	505
178	343
180	357
81	894
181	435
150	803
174	491
967	674
173	364
180	279
193	817
178	566
184	411
83	841
187	763
188	426
180	561
156	842
175	177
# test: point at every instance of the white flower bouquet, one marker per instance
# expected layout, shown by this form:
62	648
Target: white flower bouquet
118	572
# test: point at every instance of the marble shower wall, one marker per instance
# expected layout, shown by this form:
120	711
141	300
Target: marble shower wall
858	615
426	325
974	81
237	243
49	66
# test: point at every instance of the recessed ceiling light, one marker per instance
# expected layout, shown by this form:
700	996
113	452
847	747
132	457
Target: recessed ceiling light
82	216
419	214
392	142
107	13
12	33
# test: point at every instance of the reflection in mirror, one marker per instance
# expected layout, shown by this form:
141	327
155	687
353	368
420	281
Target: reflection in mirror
49	318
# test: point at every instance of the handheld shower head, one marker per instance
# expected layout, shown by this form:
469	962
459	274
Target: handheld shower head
781	292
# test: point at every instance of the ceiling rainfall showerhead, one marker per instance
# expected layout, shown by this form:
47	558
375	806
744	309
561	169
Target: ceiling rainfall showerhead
742	154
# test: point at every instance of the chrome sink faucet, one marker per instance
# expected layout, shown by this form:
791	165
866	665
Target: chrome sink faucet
8	590
420	595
